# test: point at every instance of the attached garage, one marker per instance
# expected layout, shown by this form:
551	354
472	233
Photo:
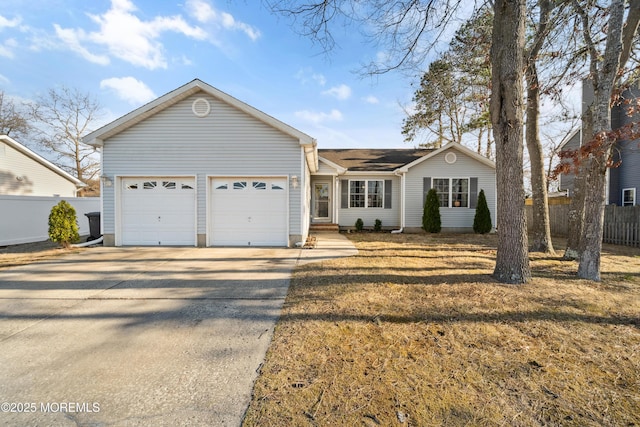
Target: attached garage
248	211
158	211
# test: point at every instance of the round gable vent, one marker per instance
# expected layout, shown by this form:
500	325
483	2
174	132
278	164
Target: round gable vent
450	158
201	107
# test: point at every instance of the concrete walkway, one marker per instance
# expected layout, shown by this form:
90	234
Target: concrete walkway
142	336
328	246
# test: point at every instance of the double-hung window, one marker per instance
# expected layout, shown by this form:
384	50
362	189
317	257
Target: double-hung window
366	193
452	192
628	197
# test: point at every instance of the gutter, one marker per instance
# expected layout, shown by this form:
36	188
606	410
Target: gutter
401	174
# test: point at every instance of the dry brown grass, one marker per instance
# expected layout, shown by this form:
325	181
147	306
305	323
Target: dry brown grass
15	255
414	331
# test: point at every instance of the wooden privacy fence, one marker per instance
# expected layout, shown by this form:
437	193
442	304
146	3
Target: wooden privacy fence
621	223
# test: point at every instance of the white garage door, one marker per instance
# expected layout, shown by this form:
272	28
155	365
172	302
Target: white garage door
158	211
248	211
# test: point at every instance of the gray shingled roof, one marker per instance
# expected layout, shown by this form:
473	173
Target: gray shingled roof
379	160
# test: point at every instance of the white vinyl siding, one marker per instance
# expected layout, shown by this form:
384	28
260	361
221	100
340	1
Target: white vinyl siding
389	217
226	142
436	167
20	175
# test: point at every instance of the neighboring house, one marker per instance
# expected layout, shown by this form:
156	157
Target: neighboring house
199	167
623	181
391	185
25	173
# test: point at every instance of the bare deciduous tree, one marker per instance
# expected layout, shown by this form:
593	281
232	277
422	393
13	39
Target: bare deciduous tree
408	31
606	66
507	106
63	116
14	120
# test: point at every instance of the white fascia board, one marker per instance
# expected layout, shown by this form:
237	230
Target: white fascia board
452	145
369	173
180	93
44	162
339	169
311	156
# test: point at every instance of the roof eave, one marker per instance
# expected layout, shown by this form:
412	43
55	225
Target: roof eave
451	145
44	162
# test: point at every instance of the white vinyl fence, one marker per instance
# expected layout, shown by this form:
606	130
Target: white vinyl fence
25	219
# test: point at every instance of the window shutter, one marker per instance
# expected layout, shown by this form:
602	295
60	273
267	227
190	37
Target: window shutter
426	186
344	193
387	193
473	193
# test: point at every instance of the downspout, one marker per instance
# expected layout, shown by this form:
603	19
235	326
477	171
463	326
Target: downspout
402	182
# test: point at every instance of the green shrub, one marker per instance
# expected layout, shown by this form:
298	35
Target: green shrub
377	226
431	215
63	224
482	220
359	224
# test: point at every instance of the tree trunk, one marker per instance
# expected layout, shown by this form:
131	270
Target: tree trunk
507	55
576	219
596	168
541	228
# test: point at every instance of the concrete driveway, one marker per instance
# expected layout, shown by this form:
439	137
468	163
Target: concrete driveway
142	336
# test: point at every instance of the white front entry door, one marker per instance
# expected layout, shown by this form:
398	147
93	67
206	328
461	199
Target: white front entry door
321	202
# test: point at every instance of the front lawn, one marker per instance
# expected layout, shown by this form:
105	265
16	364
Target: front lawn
414	331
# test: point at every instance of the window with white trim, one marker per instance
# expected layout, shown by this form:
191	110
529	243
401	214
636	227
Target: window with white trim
452	192
628	197
366	193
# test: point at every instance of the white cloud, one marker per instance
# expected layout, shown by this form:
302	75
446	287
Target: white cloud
319	78
130	89
9	23
340	92
126	37
7	48
306	74
319	117
72	39
202	11
4	80
371	100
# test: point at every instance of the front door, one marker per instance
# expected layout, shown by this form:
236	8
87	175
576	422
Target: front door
321	202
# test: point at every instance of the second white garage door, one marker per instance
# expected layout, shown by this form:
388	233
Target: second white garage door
248	211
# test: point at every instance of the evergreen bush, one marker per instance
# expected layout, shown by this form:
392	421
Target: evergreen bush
377	226
431	216
359	224
482	220
63	224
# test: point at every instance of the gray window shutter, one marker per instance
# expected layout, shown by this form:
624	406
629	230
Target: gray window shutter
473	193
426	186
344	193
387	193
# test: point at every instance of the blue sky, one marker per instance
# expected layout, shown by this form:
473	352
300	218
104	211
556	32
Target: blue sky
128	52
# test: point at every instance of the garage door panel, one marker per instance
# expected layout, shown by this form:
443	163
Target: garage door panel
249	211
158	211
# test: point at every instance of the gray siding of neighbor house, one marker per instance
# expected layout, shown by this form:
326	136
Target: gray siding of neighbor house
566	179
226	142
390	217
436	167
21	175
627	175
